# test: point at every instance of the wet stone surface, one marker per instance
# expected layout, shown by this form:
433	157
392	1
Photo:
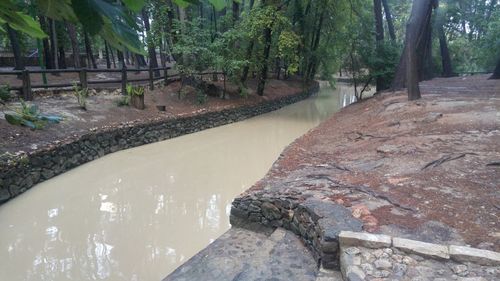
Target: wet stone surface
359	263
242	254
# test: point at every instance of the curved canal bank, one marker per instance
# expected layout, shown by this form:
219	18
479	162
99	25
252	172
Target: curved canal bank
26	170
139	213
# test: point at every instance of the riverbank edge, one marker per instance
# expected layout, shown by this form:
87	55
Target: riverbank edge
24	171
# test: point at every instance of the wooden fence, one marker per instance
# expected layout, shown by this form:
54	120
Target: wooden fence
84	82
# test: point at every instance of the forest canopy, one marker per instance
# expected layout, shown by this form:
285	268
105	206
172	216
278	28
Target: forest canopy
247	38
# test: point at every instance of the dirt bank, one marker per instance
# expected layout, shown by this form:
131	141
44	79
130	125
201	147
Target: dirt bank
426	170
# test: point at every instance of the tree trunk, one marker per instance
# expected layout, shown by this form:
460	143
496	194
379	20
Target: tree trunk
16	48
379	37
496	73
74	44
264	67
106	52
121	59
112	57
390	22
445	53
62	57
88	50
153	63
53	40
236	12
379	24
417	36
49	64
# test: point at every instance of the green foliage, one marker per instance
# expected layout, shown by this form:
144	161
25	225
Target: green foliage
110	20
81	96
288	45
30	116
123	101
4	93
201	97
134	90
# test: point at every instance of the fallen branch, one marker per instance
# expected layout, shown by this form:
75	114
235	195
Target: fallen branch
496	163
446	158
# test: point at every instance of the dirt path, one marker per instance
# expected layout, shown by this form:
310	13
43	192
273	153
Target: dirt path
427	170
103	111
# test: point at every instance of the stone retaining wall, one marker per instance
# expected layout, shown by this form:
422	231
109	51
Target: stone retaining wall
19	174
318	223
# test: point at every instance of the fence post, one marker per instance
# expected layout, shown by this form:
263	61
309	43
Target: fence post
151	81
166	76
124	81
26	85
83	78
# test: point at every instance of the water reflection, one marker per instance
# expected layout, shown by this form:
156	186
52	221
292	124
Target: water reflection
139	213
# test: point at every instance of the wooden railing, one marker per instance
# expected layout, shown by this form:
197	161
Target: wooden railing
84	82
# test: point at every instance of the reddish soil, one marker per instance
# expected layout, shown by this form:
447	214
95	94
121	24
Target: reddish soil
103	111
427	170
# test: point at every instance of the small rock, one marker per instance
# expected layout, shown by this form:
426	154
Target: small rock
397	258
383	264
352	251
368	268
354	273
399	269
381	273
460	270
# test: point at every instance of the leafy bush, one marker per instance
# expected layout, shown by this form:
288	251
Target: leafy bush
30	116
5	93
81	96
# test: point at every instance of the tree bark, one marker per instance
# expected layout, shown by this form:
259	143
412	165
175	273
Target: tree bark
153	63
236	12
417	36
106	51
49	64
53	40
263	70
379	24
496	73
390	22
16	48
88	50
62	57
379	37
74	44
445	53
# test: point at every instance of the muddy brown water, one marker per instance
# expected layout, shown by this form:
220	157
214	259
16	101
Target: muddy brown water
138	214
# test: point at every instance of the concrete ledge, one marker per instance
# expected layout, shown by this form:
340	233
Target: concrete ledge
368	240
467	254
421	248
436	251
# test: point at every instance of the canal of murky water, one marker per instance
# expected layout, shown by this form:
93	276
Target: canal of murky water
139	213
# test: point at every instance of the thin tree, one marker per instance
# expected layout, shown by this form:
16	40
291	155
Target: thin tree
74	44
88	50
379	37
443	45
496	73
106	54
153	63
390	22
16	48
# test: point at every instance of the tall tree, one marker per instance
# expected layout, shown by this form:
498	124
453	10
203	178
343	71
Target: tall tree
16	48
416	51
88	50
153	63
53	43
74	44
443	44
390	22
49	62
412	61
379	37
